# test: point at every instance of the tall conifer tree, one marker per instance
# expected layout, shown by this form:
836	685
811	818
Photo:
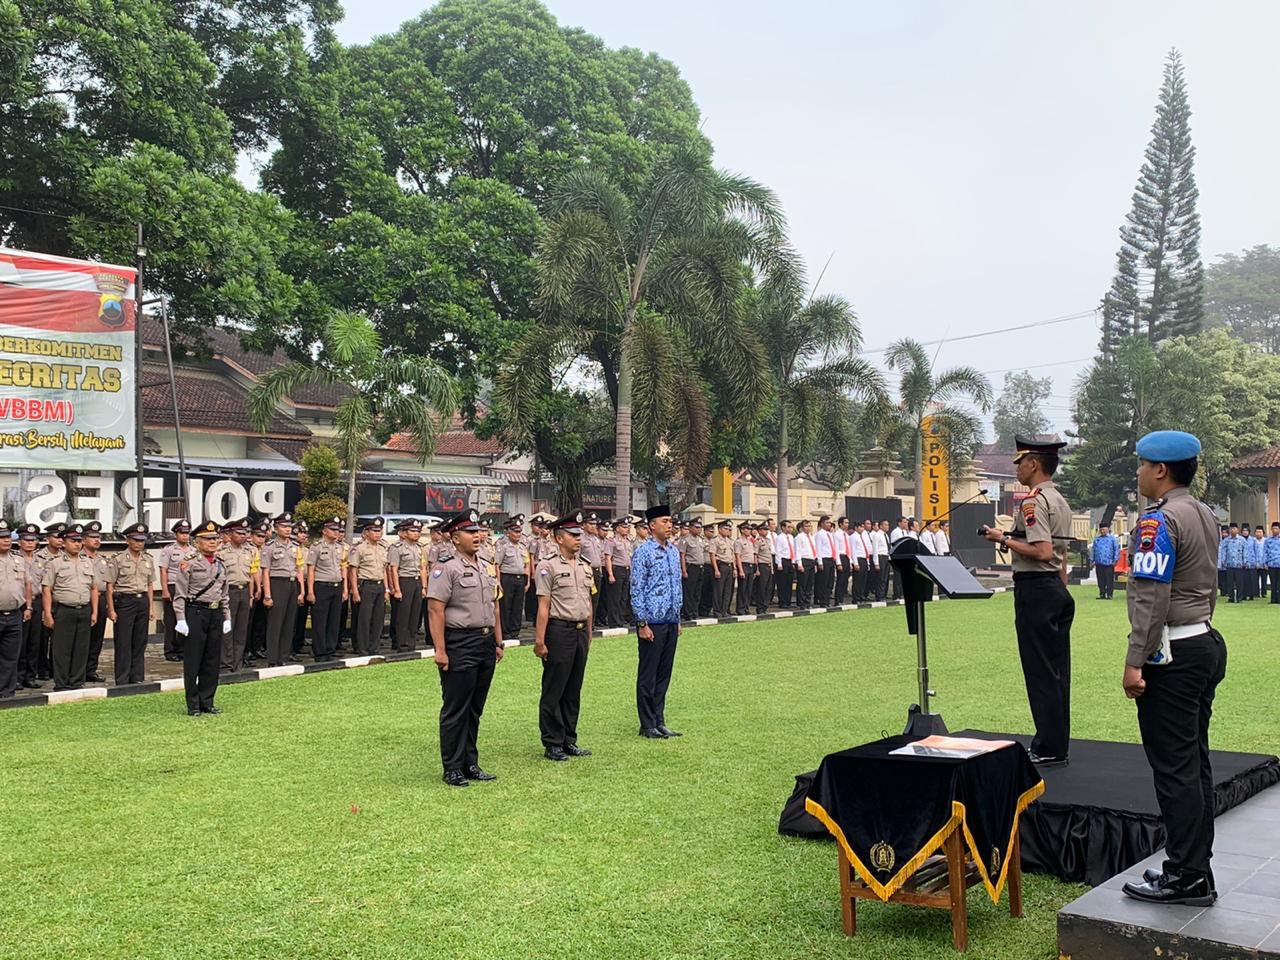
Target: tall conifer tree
1158	289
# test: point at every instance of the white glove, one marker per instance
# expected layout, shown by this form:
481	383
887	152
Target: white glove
226	626
181	627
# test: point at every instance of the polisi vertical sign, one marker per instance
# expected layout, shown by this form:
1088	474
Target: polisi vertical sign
937	471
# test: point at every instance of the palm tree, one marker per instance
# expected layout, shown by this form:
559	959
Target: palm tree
810	342
627	284
922	393
385	390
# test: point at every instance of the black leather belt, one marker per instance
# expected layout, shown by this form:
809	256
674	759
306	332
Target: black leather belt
70	606
237	586
205	604
481	630
576	624
131	596
374	581
329	583
14	610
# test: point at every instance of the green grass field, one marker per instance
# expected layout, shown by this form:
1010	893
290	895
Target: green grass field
309	819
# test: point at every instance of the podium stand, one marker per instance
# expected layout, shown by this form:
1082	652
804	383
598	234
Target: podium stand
921	571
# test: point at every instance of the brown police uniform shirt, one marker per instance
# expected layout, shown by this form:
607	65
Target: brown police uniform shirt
202	579
13	581
744	548
592	550
764	548
174	554
695	550
1190	595
130	575
569	583
283	558
721	549
619	551
330	561
369	560
1043	515
511	558
100	570
240	563
468	589
70	580
406	557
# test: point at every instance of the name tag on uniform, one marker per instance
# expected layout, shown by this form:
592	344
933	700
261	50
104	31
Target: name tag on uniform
469	573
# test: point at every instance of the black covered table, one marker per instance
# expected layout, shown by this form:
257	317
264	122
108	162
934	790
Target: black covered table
891	815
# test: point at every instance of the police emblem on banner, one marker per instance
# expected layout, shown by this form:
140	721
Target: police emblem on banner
112	289
882	857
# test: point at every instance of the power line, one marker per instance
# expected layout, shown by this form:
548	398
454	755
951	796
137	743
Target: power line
65	216
991	333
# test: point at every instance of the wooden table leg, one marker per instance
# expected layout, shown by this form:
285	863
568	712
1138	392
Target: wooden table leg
848	905
1015	876
956	881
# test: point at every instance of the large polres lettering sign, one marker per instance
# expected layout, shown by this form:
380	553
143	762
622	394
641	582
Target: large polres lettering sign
66	363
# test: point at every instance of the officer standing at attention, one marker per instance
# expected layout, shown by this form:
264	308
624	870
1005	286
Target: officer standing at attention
562	638
617	571
204	618
53	547
515	570
696	563
129	579
367	563
92	544
1043	608
406	570
462	609
327	589
656	594
257	642
239	558
15	609
1175	662
722	569
170	557
1271	554
744	566
592	550
70	610
302	537
764	566
32	627
1106	549
283	565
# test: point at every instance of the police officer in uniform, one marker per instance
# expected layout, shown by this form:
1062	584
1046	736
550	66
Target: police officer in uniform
53	544
462	604
239	559
70	609
562	637
617	572
204	618
170	557
1175	661
33	627
327	589
1043	608
514	570
744	566
129	578
592	550
15	609
92	546
258	617
695	565
283	566
367	563
406	564
302	537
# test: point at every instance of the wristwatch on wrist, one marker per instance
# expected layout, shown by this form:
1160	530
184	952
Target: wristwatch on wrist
640	624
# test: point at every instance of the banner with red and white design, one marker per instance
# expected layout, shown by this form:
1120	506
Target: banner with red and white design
66	363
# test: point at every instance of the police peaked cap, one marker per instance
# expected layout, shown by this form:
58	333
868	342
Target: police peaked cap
464	521
135	531
1025	446
208	528
182	526
570	522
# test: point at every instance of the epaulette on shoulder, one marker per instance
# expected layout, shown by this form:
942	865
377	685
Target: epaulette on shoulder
444	557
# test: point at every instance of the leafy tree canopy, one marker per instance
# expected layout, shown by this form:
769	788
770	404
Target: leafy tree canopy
1242	294
1019	410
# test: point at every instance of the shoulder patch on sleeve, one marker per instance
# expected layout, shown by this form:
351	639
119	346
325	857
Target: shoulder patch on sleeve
1154	554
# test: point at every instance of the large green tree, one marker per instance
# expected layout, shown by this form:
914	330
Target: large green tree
1242	294
1019	409
1157	291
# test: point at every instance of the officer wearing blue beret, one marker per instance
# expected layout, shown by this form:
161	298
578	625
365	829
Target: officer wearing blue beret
1175	661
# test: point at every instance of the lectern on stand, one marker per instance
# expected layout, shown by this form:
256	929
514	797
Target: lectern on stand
921	571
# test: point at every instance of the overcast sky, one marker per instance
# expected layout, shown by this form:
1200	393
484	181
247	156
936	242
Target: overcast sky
967	164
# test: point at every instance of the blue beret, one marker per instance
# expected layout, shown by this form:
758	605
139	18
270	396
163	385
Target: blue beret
1168	446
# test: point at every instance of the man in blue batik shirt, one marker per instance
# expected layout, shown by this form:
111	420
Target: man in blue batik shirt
1271	556
656	595
1106	548
1231	559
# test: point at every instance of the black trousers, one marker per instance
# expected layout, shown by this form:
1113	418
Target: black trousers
96	634
823	581
512	605
258	629
599	609
746	588
1173	715
805	582
173	641
861	579
280	619
620	597
70	644
1043	612
842	578
10	650
764	585
369	613
723	587
691	591
326	618
233	642
881	576
707	594
464	688
786	578
1275	584
530	608
133	621
562	671
408	614
32	632
201	653
1106	579
300	626
653	676
1262	581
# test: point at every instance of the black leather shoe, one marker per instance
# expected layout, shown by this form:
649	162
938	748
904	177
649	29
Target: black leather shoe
652	733
32	684
1174	889
193	713
475	773
667	731
95	678
574	750
455	778
555	753
1040	761
172	659
213	710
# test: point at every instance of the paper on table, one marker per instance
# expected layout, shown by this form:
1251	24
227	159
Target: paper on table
956	748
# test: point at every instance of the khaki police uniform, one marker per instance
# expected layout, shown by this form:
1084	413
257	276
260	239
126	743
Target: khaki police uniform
170	558
15	601
744	549
721	549
129	580
97	632
619	551
467	588
201	599
569	584
764	571
241	564
327	562
71	585
283	563
368	563
697	564
406	559
32	629
512	560
42	657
